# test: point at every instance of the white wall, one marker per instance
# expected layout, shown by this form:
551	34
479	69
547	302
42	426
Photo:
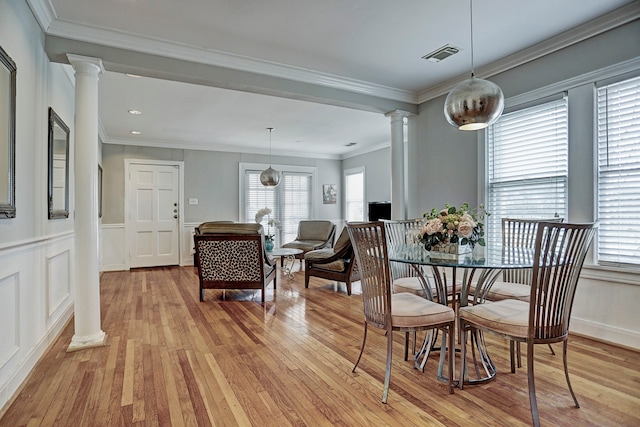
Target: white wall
36	254
449	166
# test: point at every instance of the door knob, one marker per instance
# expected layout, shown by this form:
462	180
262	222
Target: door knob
175	211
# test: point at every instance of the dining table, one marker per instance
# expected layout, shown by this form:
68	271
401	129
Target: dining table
473	273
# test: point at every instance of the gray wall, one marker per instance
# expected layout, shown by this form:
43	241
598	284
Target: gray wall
377	174
210	176
447	165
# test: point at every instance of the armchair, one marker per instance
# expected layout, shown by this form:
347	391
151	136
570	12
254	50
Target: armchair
338	263
312	235
232	256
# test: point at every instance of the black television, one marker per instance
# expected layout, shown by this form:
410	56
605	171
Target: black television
379	210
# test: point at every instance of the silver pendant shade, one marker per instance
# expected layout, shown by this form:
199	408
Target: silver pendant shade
270	177
475	103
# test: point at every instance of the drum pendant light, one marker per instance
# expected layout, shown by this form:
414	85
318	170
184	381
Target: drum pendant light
270	177
475	103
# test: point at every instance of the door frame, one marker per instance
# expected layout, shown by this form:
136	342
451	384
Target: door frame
127	220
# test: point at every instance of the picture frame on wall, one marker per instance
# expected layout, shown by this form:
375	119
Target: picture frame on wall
329	194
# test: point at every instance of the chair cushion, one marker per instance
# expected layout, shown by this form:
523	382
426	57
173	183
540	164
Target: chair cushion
343	241
319	255
410	311
314	230
337	265
408	284
509	316
506	290
305	245
230	228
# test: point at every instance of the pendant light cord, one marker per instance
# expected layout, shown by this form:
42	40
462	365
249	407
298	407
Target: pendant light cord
471	17
270	130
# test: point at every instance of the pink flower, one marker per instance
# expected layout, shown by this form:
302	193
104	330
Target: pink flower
432	226
468	218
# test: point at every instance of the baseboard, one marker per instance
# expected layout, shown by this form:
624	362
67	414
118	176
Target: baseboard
606	333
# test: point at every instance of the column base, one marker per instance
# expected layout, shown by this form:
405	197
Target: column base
85	343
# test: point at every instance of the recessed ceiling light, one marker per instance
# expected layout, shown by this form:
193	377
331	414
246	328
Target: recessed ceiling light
135	112
350	144
135	76
136	132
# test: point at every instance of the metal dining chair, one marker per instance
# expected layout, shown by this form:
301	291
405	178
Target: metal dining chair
515	283
383	309
560	250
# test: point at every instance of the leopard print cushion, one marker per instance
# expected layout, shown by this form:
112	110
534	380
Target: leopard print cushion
229	260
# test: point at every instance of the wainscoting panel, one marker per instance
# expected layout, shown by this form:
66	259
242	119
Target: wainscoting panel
58	276
9	316
113	245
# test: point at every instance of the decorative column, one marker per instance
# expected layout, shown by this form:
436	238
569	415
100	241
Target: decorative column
88	332
398	196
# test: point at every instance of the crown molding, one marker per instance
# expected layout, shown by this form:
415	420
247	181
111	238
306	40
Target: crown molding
188	145
184	52
582	32
43	12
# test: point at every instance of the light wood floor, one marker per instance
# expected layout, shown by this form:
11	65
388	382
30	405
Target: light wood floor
172	360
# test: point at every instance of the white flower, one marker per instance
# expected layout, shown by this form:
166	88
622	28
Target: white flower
466	229
432	226
261	214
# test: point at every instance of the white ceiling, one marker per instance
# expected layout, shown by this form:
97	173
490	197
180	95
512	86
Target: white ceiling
366	47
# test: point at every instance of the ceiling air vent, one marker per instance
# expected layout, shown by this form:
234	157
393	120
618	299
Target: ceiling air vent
443	53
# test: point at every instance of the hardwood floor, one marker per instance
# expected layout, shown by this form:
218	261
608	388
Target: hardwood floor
172	360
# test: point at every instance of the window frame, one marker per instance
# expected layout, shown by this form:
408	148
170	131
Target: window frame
346	173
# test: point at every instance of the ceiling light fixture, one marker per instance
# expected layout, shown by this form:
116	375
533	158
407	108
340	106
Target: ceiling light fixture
135	112
270	177
475	103
136	132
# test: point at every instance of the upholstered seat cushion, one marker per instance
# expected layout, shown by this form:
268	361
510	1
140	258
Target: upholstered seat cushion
305	245
409	310
413	286
505	290
317	257
229	228
508	316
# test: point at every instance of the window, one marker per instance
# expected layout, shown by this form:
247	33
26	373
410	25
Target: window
354	194
619	173
528	165
290	202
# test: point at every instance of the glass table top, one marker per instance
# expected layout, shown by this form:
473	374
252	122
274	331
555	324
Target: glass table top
480	257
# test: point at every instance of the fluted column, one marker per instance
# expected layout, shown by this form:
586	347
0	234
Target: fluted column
88	332
398	194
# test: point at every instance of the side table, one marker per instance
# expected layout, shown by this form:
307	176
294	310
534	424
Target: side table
289	254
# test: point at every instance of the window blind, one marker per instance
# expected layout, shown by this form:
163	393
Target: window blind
527	165
256	197
296	189
290	202
619	173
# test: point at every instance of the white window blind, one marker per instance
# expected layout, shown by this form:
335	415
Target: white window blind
527	165
354	196
296	189
619	173
290	202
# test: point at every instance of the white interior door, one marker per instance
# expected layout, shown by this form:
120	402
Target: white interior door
153	215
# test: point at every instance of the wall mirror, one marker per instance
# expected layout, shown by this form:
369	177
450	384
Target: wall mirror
58	167
7	136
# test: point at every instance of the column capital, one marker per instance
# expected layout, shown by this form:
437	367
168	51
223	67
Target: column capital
85	63
398	114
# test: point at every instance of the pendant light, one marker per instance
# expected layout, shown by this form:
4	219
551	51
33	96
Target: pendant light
475	103
270	177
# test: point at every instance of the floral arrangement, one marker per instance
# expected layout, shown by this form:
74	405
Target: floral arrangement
453	225
271	222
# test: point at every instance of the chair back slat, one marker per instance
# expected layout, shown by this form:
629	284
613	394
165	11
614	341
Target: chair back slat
370	248
520	233
560	251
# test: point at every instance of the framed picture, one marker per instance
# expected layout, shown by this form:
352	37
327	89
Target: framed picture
329	194
7	136
99	191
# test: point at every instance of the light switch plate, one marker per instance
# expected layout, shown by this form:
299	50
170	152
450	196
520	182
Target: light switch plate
193	201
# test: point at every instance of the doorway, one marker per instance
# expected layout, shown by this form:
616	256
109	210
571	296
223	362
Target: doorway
153	212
